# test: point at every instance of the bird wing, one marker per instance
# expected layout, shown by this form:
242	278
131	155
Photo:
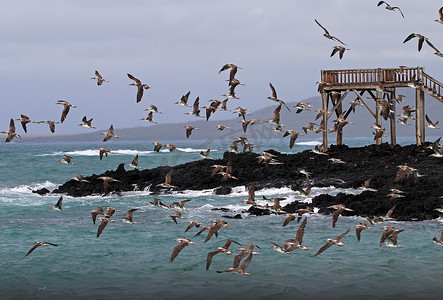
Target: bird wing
232	74
64	113
168	177
293	137
59	202
33	248
396	7
385	235
129	214
188	131
432	46
420	42
251	192
133	78
182	203
177	250
209	258
339	237
428	120
184	98
301	231
325	246
245	263
190	226
102	226
358	231
335	215
135	160
321	26
277	114
52	126
139	93
334	51
288	219
389	213
409	37
11	126
238	258
274	93
381	2
196	104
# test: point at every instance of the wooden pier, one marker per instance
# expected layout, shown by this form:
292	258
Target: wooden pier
380	85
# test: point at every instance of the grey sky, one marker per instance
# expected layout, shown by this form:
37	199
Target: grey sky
50	49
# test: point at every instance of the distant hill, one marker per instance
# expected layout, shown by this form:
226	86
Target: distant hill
361	122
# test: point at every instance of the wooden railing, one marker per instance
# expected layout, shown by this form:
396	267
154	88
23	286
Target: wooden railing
371	76
380	76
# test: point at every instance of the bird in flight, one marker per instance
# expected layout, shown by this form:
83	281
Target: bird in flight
327	35
388	7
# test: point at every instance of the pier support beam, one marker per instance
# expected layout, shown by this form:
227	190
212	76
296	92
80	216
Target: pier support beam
392	118
420	116
378	121
324	99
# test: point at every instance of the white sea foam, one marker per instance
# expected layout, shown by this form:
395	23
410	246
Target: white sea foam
26	189
193	150
95	152
309	143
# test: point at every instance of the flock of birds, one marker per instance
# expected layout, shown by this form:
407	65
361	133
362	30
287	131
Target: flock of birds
389	236
421	38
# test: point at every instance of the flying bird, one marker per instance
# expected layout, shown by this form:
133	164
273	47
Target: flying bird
333	241
440	16
189	130
167	183
50	123
430	123
25	120
38	244
66	160
327	35
183	243
392	8
273	97
106	180
140	87
134	163
420	37
129	218
339	208
223	249
109	134
99	78
103	224
184	99
103	151
66	107
86	123
11	133
341	50
58	205
95	213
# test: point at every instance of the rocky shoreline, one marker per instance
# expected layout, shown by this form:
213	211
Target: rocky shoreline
379	163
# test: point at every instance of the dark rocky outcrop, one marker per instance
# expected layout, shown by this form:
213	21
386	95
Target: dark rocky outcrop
378	162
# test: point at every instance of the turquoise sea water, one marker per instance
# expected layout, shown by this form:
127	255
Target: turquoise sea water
132	260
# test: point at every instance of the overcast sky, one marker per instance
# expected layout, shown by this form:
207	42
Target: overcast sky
50	49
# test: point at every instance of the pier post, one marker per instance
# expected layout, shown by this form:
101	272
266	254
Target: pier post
420	116
392	119
324	98
378	120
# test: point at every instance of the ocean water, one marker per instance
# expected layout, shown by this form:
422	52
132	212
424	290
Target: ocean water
132	260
